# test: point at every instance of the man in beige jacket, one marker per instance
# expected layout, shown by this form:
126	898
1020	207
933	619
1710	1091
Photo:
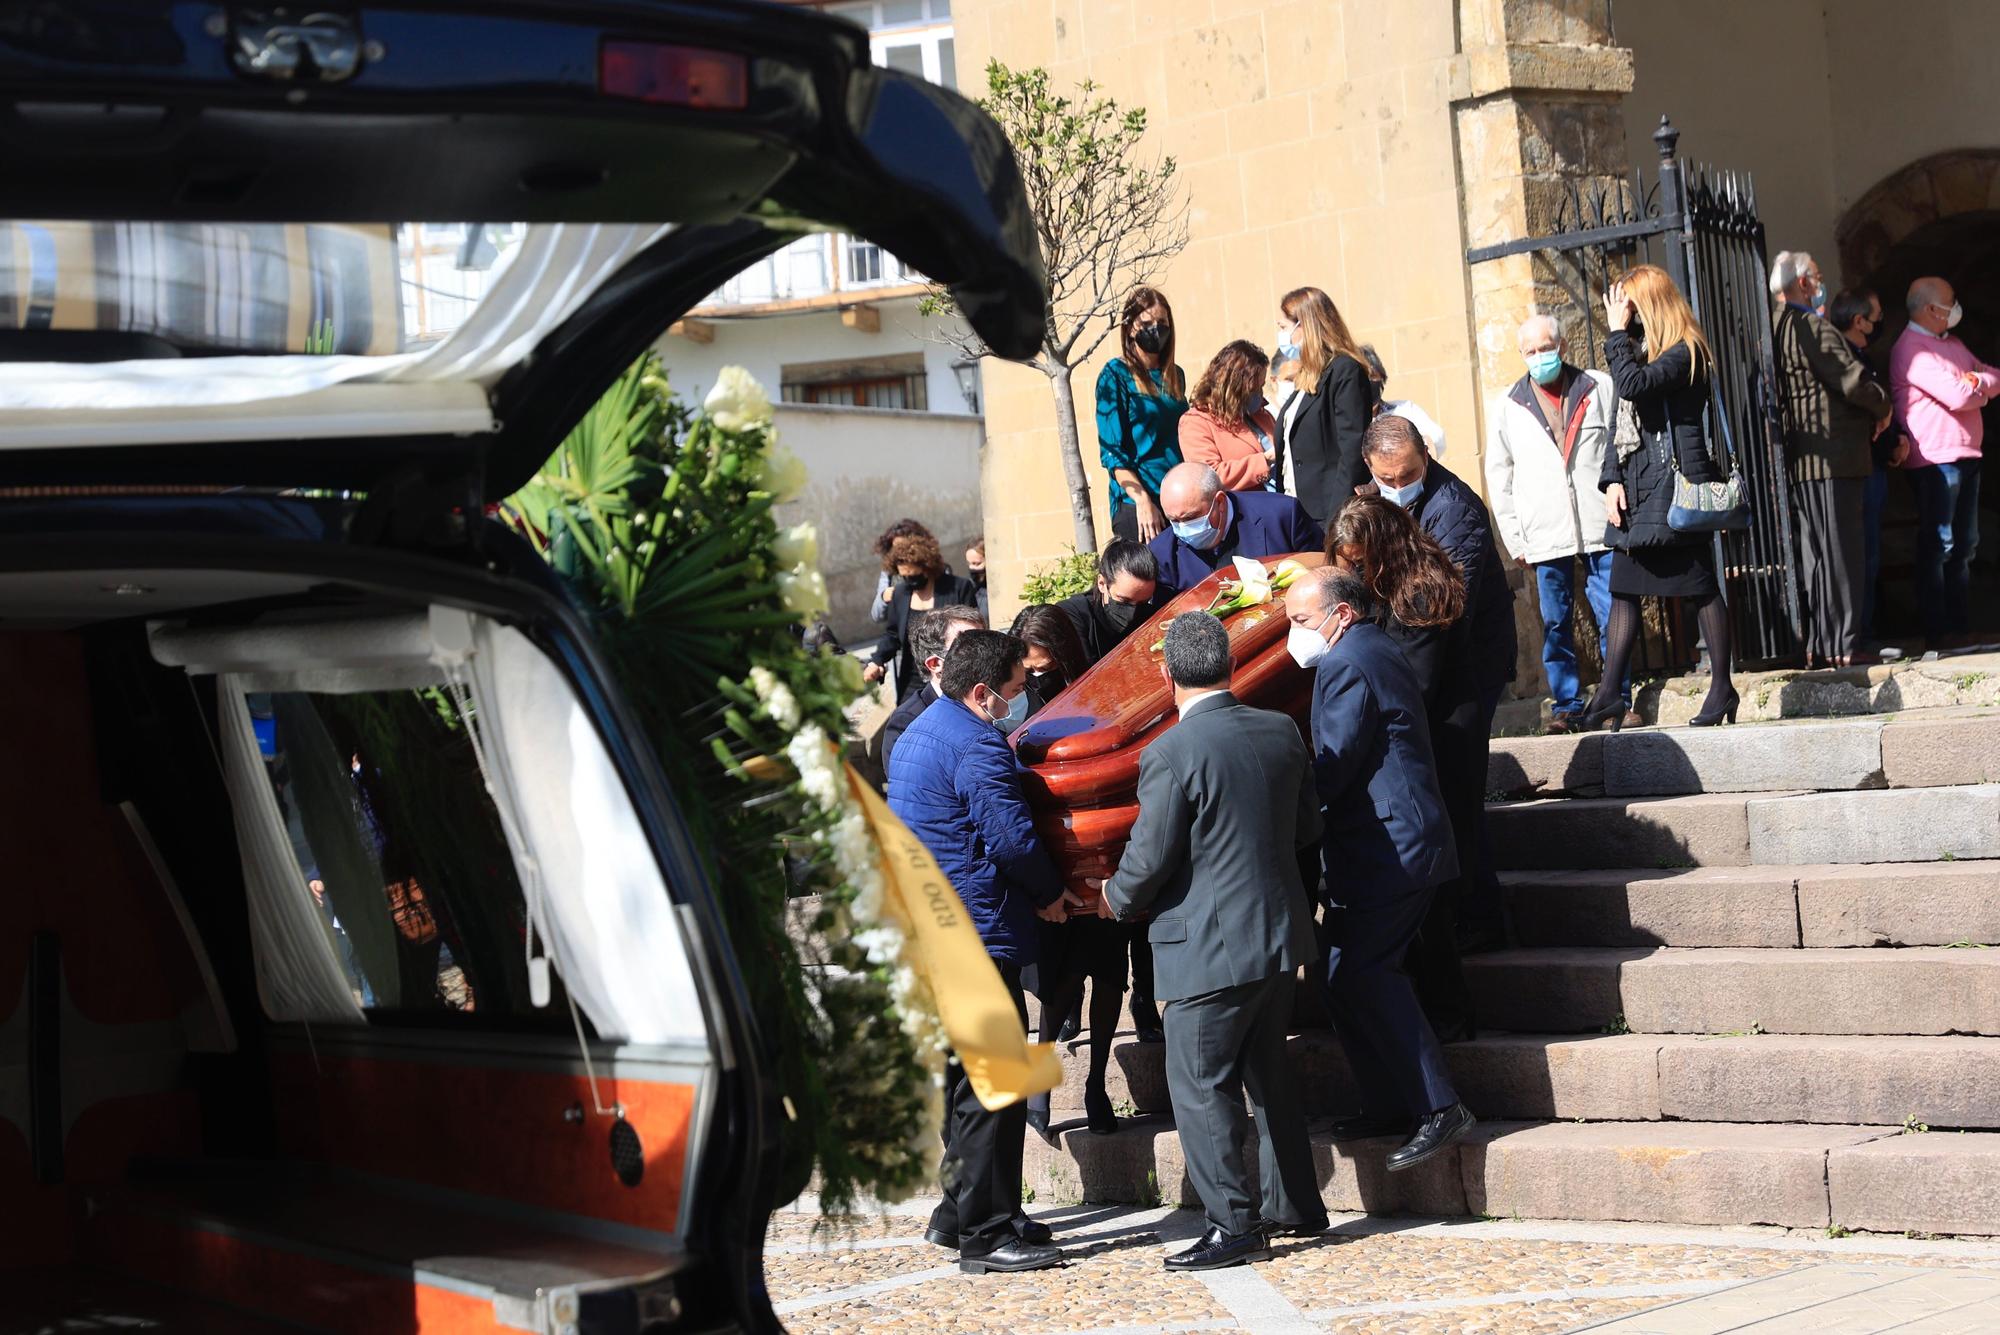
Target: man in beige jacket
1545	445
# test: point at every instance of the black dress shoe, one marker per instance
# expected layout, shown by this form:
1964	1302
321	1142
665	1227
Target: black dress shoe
1368	1126
1146	1022
1218	1249
1038	1122
1032	1231
1011	1257
1309	1229
1069	1030
1097	1110
1439	1132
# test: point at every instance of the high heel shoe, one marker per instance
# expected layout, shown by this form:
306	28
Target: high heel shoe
1595	715
1097	1113
1722	713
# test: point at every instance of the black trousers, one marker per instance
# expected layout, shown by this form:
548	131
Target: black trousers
1394	1054
1832	563
981	1173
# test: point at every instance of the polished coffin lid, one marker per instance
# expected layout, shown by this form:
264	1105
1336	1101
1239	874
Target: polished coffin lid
1081	751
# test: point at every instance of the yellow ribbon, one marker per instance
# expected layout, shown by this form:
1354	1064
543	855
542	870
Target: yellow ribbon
944	948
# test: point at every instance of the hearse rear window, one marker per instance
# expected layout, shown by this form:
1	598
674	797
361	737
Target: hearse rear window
400	851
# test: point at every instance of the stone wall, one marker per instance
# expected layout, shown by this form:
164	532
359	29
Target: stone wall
1317	146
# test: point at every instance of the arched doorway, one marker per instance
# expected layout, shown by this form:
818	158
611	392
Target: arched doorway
1939	215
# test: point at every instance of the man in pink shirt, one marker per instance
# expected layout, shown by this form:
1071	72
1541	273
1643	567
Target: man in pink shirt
1939	389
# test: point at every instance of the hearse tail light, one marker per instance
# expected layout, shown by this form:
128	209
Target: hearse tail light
674	76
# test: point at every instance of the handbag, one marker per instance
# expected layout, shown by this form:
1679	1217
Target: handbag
1708	507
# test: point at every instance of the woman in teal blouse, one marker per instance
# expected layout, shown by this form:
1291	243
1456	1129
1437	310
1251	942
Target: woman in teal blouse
1141	395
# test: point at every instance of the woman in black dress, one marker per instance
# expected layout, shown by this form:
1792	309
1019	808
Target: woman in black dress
1086	947
922	582
1421	592
1660	363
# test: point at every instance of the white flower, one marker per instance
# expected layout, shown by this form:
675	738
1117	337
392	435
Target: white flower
812	756
779	702
797	546
738	402
803	592
784	476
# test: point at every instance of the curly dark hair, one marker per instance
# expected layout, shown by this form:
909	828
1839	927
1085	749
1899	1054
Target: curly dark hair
1049	629
902	528
1403	566
916	549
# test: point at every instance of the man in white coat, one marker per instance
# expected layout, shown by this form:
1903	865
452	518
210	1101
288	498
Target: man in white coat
1547	443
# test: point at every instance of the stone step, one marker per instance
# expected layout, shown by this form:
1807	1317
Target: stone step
1735	830
1804	1176
1924	750
1918	990
1942	1081
1899	904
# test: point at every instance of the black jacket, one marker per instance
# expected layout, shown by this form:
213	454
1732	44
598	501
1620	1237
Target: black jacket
1670	409
902	717
949	590
1086	612
1452	512
1325	438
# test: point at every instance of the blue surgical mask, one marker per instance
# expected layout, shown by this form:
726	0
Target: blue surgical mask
1819	301
1287	348
1403	496
1544	367
1196	532
1017	714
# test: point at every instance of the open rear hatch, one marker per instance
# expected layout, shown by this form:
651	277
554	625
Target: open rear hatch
244	180
216	334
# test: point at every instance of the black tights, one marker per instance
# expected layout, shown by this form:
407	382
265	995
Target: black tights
1107	999
1622	636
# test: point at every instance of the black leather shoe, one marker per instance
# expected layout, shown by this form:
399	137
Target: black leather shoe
1368	1126
1069	1030
1439	1132
937	1237
1097	1110
1146	1022
1309	1229
1038	1122
1011	1257
1033	1231
1218	1249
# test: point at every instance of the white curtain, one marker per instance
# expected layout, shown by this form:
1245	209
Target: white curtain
299	976
592	883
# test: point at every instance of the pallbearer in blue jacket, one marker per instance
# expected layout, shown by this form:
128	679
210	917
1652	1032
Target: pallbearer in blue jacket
954	781
1388	847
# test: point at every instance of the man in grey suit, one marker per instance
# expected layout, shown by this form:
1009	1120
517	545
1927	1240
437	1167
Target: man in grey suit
1226	809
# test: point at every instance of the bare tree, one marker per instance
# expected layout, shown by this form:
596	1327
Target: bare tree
1108	219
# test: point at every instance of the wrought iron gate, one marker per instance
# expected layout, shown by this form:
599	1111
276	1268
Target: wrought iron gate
1701	225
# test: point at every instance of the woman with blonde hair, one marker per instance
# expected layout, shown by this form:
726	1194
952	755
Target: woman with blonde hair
1322	451
1227	425
1661	364
1141	394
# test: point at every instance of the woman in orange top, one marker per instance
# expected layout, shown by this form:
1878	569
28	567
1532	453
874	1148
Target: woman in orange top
1227	425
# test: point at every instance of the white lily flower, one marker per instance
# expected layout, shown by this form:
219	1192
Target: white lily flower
797	546
738	402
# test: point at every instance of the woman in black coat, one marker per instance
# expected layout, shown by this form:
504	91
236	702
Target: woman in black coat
1666	380
1339	396
921	583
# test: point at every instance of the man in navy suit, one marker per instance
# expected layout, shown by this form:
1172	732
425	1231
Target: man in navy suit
1207	526
1387	848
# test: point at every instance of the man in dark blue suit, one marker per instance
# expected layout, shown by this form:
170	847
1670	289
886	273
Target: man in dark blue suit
1207	526
1387	848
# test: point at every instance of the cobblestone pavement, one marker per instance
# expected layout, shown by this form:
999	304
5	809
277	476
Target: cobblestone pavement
1363	1277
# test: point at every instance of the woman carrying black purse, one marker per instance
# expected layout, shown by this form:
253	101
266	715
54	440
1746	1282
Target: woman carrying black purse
1660	363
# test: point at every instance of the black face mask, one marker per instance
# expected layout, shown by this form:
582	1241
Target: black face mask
1151	338
978	578
1876	334
1121	615
910	582
1047	684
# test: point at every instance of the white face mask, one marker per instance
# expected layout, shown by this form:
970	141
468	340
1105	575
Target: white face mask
1307	647
1957	314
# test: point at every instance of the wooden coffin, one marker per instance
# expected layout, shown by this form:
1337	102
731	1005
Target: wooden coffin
1081	751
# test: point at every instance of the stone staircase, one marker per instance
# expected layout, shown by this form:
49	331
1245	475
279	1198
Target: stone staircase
1748	965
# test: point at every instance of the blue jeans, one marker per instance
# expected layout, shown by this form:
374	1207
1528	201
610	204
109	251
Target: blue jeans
1554	582
1874	497
1947	536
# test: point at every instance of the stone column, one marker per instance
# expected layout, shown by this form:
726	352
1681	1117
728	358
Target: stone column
1536	108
